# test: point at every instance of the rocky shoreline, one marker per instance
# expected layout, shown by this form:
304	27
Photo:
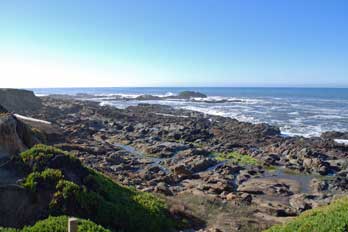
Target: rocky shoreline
234	176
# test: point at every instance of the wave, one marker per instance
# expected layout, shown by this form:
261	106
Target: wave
295	116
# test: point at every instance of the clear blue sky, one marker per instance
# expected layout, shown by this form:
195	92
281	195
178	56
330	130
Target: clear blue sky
51	43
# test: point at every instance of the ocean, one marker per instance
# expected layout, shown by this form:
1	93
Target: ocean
296	111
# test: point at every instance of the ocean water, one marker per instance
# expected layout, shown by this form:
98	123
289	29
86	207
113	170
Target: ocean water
296	111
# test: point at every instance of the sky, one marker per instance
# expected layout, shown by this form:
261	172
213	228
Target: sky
111	43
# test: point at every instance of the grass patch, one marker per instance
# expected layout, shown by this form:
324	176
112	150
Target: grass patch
58	224
333	218
237	158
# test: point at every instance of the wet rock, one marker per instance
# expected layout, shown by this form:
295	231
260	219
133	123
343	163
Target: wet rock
115	159
270	186
164	189
166	149
181	171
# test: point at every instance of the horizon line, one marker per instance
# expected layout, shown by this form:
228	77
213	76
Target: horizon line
89	87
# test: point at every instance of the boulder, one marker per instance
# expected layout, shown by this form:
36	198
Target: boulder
46	132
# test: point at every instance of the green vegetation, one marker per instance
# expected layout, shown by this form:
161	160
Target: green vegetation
58	224
48	177
110	204
38	156
237	158
81	192
333	218
40	151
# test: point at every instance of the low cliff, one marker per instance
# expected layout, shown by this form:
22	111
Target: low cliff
19	101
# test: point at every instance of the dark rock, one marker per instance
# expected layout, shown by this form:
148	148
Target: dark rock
164	189
334	135
19	101
147	98
3	110
190	94
18	208
181	171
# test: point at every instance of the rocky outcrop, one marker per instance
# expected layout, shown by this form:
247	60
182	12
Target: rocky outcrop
147	98
15	136
2	109
160	149
191	94
10	142
19	101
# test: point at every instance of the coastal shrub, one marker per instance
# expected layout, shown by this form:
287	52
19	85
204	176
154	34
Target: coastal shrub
333	218
40	156
85	193
58	224
49	177
110	204
40	150
237	158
